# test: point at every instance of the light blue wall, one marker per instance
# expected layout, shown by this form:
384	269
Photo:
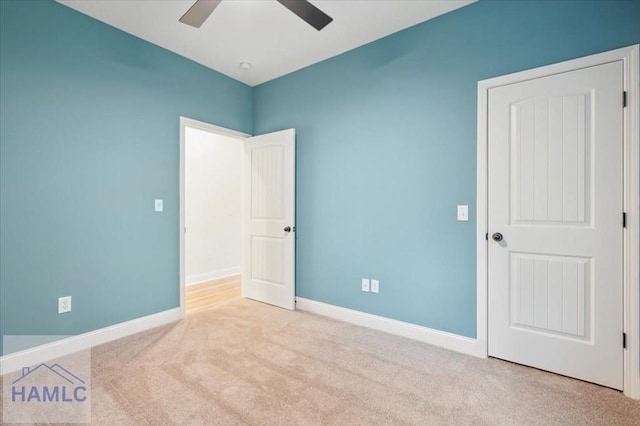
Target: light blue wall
89	137
387	149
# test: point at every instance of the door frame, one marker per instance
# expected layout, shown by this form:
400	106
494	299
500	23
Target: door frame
631	234
211	128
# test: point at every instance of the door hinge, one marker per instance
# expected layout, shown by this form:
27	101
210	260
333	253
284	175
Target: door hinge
624	340
624	99
624	219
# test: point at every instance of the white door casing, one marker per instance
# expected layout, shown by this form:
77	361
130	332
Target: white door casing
630	57
555	192
268	213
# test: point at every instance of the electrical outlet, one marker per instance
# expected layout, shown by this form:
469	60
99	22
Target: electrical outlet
64	304
159	205
375	286
365	284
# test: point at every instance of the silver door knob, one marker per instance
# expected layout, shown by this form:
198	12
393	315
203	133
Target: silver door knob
287	229
497	236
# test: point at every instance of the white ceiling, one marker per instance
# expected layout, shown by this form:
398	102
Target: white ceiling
263	32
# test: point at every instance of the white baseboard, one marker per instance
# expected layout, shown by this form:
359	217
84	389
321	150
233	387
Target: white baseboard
454	342
39	354
212	275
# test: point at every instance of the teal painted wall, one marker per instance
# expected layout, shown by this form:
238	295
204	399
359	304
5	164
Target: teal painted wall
386	149
89	137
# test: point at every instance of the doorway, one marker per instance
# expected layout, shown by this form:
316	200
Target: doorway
212	218
267	218
211	200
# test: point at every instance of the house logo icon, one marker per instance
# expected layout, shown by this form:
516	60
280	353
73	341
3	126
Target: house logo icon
48	384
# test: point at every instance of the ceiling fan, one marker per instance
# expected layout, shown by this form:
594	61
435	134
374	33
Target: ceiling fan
201	9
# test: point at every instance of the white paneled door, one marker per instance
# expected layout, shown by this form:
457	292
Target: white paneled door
268	213
555	203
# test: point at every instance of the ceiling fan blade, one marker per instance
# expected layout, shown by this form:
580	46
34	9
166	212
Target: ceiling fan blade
199	12
308	12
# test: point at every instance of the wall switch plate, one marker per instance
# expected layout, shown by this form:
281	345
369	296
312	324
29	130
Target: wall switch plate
159	205
365	284
463	213
375	286
64	304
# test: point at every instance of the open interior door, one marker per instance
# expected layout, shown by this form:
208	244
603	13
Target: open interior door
268	213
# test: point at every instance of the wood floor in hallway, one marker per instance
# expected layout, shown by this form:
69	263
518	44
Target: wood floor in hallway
203	296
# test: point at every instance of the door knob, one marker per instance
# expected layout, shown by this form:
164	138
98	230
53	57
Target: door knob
287	229
497	236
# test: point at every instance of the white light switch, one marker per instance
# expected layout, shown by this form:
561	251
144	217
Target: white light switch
64	304
159	205
375	286
463	213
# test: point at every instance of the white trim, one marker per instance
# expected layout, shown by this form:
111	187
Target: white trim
184	123
629	56
442	339
201	125
211	275
43	353
481	226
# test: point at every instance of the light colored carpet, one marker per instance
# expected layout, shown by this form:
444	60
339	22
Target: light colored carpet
244	362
